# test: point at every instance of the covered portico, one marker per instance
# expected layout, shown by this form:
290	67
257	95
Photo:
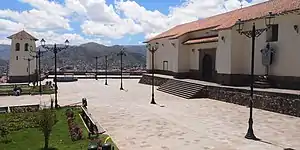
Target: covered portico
202	57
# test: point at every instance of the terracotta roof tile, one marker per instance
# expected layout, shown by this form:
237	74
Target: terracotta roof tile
22	35
227	20
202	40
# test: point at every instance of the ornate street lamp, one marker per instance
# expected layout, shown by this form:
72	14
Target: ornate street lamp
152	49
37	57
36	62
121	54
253	34
55	50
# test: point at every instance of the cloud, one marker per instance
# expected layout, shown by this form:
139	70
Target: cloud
7	26
103	20
100	21
75	39
36	19
154	22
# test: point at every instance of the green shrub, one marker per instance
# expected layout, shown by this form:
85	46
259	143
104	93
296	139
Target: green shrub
4	133
46	120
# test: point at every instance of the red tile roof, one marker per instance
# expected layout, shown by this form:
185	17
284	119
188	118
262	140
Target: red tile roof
22	35
227	20
201	40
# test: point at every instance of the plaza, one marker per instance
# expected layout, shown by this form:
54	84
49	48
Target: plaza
175	123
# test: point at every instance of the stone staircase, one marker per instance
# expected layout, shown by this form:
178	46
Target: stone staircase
183	89
262	82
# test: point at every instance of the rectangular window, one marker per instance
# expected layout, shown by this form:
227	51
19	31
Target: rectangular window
27	69
272	33
165	65
17	58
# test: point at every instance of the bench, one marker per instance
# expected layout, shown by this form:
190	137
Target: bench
92	127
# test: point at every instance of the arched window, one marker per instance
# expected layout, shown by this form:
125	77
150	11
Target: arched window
18	47
26	47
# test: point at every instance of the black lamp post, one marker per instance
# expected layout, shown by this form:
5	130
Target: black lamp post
36	63
152	49
28	67
55	50
121	53
40	86
105	69
96	72
253	34
38	56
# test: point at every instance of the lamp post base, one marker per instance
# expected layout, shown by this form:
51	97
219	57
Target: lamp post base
152	100
250	134
56	105
121	88
106	83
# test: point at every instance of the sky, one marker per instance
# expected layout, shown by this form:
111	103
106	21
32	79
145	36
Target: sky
108	22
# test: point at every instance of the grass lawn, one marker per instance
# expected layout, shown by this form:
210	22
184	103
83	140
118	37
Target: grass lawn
27	136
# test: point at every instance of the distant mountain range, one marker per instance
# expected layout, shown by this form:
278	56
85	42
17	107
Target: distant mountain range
82	57
4	51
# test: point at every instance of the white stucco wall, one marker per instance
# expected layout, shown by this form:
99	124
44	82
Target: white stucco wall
287	57
287	48
240	52
223	53
233	55
165	52
19	67
183	55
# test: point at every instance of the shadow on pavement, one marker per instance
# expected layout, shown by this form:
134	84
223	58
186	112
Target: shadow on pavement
266	142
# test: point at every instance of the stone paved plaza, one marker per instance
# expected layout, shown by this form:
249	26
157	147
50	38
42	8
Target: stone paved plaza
197	124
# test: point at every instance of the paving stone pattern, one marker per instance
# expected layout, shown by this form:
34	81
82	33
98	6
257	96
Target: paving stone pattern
197	124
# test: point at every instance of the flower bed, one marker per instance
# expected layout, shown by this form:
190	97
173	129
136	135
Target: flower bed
23	109
19	121
74	129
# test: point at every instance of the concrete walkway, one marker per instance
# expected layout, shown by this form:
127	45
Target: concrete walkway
198	124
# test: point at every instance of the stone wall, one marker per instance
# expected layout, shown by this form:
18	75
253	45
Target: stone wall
288	104
283	103
147	79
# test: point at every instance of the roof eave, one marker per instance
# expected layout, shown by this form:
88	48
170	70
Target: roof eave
158	38
177	36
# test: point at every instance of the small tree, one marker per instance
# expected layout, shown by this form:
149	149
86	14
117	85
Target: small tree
46	120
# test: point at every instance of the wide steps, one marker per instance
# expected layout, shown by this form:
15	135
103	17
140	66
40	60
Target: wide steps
181	89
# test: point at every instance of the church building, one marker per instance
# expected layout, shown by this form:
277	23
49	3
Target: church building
212	49
22	65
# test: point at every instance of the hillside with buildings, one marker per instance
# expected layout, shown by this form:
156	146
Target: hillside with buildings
81	58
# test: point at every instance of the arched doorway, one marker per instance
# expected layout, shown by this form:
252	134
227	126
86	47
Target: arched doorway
207	67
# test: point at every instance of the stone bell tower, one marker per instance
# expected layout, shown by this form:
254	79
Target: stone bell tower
22	45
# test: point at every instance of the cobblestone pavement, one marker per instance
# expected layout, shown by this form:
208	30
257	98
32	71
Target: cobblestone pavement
197	124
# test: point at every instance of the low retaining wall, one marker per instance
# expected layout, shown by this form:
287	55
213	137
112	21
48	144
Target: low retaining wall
283	103
158	81
288	104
